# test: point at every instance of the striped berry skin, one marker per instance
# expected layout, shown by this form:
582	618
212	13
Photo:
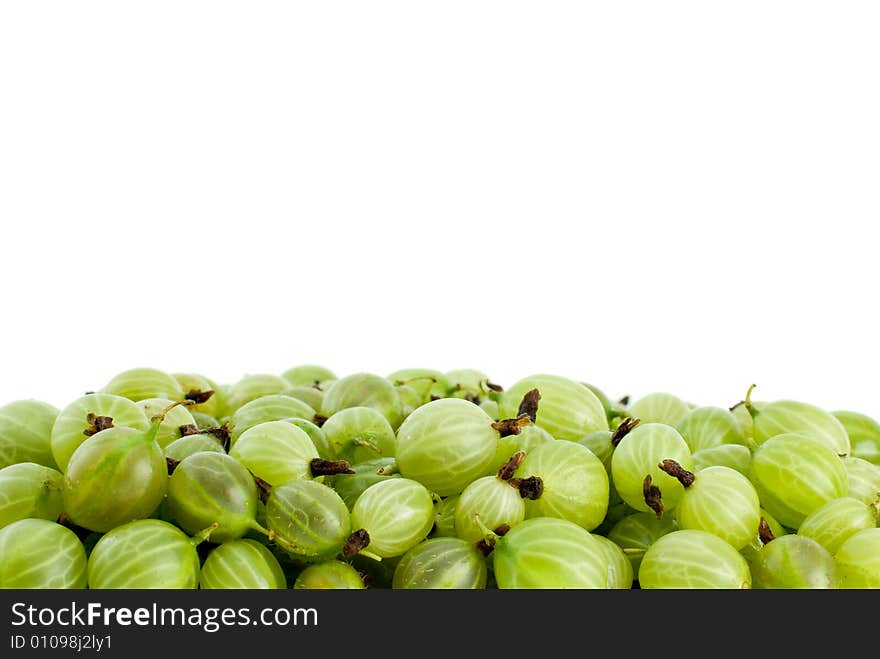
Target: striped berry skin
567	409
551	553
689	558
38	553
144	554
795	475
446	444
241	564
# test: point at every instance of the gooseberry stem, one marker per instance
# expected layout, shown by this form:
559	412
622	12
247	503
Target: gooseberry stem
274	537
487	543
204	534
748	401
161	414
369	554
388	470
157	419
416	377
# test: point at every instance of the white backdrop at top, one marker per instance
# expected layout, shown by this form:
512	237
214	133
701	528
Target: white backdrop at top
674	196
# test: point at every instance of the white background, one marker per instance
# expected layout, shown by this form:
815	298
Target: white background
647	196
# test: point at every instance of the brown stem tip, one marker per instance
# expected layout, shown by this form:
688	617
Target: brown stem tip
764	532
220	433
513	426
486	545
653	497
506	471
357	541
322	467
188	429
198	397
263	487
675	470
530	488
624	429
97	424
529	405
172	464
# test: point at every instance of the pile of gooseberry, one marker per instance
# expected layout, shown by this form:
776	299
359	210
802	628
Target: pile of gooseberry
424	479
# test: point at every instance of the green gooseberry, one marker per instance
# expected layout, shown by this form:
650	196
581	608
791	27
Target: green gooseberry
116	476
39	553
26	431
141	383
30	490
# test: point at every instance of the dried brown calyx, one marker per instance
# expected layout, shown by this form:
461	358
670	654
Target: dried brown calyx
188	429
97	424
624	429
357	541
653	496
172	464
506	427
529	405
319	420
508	469
491	386
322	467
675	470
526	414
531	487
220	433
486	545
197	396
264	488
764	532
